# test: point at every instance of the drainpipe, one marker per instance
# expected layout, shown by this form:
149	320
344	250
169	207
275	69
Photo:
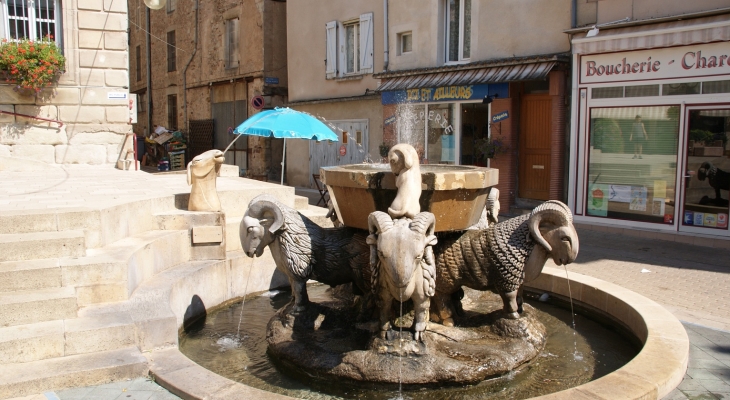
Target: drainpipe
185	70
574	13
149	74
385	35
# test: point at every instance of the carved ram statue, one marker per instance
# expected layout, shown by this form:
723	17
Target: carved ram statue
402	264
502	257
303	250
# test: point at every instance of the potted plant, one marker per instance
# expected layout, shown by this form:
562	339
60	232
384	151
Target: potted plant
31	65
489	147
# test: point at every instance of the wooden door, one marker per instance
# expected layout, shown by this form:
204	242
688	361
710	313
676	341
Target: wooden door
535	123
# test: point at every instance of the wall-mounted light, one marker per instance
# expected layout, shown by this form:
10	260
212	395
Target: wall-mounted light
490	98
155	4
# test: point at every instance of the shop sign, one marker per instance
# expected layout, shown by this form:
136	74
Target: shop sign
389	120
500	116
445	94
271	80
674	62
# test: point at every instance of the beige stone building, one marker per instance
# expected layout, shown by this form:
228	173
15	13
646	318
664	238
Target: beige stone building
86	117
208	61
441	75
651	116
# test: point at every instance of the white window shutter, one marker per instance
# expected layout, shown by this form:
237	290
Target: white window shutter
366	43
331	61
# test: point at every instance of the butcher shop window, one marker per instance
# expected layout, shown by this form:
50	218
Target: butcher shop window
632	165
707	179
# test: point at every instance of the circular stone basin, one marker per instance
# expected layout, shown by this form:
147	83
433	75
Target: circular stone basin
455	194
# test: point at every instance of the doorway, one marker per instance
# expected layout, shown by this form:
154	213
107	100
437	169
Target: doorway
474	130
353	143
535	123
707	170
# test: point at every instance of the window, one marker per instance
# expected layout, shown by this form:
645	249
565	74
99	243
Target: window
349	47
632	166
406	42
458	30
141	103
171	4
172	111
674	89
171	54
26	19
138	62
231	44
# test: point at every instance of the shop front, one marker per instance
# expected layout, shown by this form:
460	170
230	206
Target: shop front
508	114
650	126
446	125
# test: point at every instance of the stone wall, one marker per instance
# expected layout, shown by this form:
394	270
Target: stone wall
93	123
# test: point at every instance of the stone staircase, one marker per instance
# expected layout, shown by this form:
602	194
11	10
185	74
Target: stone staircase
79	296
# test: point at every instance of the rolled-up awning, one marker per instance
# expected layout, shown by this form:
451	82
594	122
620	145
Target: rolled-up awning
516	69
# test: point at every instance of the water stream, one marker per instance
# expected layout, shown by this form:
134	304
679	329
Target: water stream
576	354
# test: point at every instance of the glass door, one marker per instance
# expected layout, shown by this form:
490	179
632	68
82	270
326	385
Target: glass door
706	171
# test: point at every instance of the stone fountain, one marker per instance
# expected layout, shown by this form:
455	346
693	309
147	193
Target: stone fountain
402	322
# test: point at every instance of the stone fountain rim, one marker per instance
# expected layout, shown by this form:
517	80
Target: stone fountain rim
464	177
659	367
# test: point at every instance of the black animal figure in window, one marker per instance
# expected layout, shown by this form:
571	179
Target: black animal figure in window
718	179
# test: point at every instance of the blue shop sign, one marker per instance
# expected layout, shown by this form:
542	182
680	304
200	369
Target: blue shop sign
500	116
445	94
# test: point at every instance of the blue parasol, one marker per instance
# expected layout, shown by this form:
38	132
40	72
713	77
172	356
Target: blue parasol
285	123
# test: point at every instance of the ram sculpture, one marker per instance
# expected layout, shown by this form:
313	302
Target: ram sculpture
501	257
403	265
303	250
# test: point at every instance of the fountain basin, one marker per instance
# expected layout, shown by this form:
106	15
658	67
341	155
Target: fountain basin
653	373
455	194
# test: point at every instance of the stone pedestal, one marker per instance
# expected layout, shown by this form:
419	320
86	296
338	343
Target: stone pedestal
206	231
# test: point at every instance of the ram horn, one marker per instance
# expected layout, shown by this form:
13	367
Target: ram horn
263	205
493	205
553	211
379	222
424	223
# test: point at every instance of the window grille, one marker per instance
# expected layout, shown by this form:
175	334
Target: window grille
31	19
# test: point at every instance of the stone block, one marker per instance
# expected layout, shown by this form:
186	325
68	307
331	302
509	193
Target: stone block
5	150
81	154
117	114
103	59
115	40
116	78
37	306
101	293
58	96
91	77
90	5
17	134
115	6
100	96
75	129
101	333
19	344
91	40
104	138
114	153
76	114
29	275
207	234
7	118
39	152
48	112
102	21
10	96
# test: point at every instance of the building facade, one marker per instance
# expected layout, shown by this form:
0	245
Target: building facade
212	65
651	116
446	76
85	117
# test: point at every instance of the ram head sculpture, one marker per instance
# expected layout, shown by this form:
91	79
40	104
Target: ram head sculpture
303	250
502	257
402	265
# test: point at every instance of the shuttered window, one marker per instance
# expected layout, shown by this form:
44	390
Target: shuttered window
349	47
231	43
171	53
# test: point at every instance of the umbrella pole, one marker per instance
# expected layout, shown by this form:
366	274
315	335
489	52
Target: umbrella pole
283	157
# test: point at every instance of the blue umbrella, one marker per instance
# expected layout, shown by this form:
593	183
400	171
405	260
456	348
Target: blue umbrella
285	123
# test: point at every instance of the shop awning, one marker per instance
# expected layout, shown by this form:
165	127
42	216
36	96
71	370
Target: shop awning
515	69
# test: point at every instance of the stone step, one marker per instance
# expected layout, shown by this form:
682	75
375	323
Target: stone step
23	379
29	275
39	245
28	307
